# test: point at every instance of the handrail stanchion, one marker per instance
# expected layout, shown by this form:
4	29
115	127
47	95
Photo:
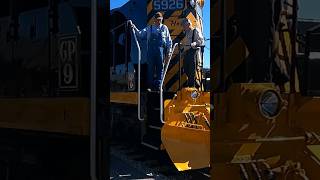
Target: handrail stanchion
162	80
139	74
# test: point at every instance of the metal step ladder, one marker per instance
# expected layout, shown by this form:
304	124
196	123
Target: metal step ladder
152	137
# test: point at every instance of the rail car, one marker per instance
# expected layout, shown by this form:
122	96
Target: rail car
44	88
176	119
264	130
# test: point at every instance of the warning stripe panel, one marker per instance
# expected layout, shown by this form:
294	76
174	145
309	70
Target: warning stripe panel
230	39
235	55
287	42
173	81
175	86
237	48
284	50
193	19
174	70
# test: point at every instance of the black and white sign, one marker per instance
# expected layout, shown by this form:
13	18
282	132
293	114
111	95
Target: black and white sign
68	63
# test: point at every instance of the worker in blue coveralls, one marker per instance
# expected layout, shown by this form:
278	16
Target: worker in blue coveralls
158	47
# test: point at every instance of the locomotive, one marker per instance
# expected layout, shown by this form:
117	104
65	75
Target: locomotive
176	119
44	89
264	130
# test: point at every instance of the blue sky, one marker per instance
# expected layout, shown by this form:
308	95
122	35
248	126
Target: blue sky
206	19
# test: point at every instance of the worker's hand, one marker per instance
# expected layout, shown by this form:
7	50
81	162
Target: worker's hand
169	53
193	45
132	25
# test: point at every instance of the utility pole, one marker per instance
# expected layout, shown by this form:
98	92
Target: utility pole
93	119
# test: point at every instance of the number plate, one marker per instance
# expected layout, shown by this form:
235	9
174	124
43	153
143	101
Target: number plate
164	5
68	63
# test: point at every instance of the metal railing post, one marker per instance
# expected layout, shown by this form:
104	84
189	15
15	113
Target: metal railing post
93	120
139	73
161	84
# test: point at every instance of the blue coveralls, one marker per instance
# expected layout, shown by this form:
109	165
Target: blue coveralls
156	51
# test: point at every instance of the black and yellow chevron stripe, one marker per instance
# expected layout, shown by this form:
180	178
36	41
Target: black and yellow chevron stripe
172	19
237	51
285	47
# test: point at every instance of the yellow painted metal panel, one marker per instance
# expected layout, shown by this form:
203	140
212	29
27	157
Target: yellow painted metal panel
124	97
187	143
315	149
187	148
59	115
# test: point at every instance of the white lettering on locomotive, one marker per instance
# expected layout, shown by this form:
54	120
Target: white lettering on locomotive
68	63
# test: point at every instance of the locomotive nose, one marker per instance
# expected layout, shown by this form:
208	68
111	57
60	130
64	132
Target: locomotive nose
186	132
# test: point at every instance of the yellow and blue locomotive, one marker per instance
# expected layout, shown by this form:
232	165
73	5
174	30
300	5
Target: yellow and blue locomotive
44	88
264	129
175	119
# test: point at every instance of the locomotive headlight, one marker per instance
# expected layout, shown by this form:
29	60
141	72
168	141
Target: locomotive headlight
195	94
270	104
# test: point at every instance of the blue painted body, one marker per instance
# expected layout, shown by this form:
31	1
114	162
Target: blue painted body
136	11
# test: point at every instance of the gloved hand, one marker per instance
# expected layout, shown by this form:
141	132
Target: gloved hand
132	25
193	45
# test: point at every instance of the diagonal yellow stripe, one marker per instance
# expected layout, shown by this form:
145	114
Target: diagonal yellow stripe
216	16
247	150
174	70
175	86
288	43
177	13
235	55
193	19
149	7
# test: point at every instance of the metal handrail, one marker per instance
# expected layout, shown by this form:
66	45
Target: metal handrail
139	73
162	80
119	26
